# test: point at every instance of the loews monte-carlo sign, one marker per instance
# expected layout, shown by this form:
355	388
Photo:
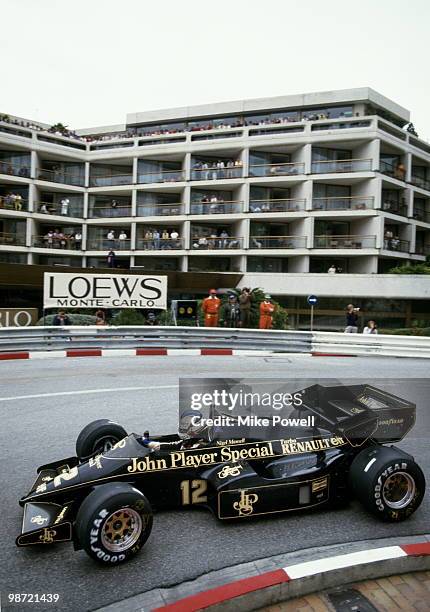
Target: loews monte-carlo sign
65	290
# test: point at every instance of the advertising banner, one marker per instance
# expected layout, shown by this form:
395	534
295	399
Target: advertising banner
18	317
68	290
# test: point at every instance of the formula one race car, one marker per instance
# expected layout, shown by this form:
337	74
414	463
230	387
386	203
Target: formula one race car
103	498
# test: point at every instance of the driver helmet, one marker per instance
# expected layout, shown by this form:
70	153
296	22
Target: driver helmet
190	425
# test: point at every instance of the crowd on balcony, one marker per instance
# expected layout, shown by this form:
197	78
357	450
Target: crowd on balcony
219	169
57	239
11	201
154	239
216	240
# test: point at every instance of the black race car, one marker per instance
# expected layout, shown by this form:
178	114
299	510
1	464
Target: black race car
103	498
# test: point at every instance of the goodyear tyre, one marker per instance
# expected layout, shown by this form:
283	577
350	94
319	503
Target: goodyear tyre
388	482
113	523
98	437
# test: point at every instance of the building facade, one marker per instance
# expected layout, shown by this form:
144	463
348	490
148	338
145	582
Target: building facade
280	190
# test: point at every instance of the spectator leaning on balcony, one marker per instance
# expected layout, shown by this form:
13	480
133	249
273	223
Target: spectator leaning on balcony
332	269
78	239
400	171
122	239
351	319
156	238
174	236
18	201
64	206
371	328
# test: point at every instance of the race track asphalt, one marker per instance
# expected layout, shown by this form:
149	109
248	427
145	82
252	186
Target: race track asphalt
45	403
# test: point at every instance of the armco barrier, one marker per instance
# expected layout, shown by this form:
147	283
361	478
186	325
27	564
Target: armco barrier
34	339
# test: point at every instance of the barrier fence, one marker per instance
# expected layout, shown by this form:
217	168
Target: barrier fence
13	339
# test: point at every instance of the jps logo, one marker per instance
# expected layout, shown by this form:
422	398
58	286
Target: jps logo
230	470
245	505
47	536
39	520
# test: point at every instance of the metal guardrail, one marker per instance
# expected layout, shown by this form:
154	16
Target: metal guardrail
67	338
98	337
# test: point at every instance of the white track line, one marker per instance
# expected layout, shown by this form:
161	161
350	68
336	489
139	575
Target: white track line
83	392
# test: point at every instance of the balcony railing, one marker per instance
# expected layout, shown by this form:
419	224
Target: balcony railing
395	208
12	202
418	181
394	171
60	176
422	249
421	215
344	242
160	210
338	203
284	169
110	180
209	243
276	206
12	239
161	176
341	165
159	244
395	244
216	174
109	212
64	210
216	207
277	242
108	244
14	169
56	242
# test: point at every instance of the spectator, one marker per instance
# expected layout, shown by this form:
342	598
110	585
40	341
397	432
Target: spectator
122	239
164	239
78	239
224	242
371	328
156	238
43	209
49	239
64	206
332	269
400	171
61	318
231	312
148	244
111	239
111	259
100	317
351	319
18	201
174	238
245	300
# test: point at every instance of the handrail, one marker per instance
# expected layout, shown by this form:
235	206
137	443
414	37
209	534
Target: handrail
216	242
283	168
156	244
160	176
50	208
344	241
110	211
275	205
343	203
60	176
341	165
216	207
56	242
12	168
108	244
277	242
9	238
9	202
107	180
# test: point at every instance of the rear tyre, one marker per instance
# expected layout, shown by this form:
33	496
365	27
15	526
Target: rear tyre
98	437
113	523
388	482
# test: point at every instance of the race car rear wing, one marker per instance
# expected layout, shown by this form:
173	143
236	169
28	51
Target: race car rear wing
360	412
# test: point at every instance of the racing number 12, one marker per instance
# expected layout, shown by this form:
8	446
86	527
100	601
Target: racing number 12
197	488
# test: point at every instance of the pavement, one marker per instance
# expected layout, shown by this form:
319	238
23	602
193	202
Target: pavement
45	403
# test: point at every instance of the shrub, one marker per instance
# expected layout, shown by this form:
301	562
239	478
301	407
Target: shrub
421	268
128	316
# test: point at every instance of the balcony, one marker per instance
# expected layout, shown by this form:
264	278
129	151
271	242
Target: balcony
344	242
208	243
330	166
395	244
160	210
422	183
396	171
13	202
422	249
58	208
7	239
339	203
61	176
421	215
161	176
216	207
52	241
276	206
111	180
15	169
216	173
159	244
108	244
110	212
395	208
277	242
287	169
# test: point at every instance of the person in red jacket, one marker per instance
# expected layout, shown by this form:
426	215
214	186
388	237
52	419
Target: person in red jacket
210	307
266	311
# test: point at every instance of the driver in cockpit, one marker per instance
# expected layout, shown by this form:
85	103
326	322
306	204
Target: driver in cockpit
192	430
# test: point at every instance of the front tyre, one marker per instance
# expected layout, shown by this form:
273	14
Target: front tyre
388	482
98	437
113	523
